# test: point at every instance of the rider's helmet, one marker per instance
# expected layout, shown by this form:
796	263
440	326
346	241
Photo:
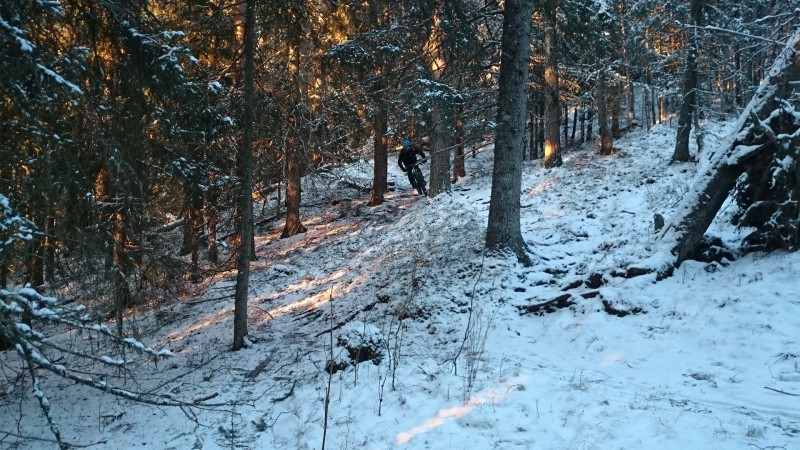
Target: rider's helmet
405	143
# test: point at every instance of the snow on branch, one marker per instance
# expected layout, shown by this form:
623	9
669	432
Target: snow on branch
59	79
18	34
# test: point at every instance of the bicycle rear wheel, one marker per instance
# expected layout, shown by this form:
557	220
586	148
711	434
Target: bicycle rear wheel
420	181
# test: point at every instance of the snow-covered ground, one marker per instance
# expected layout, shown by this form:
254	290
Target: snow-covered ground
707	360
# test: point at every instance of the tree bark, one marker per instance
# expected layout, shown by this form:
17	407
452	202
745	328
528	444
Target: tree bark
503	229
606	140
552	110
245	197
459	171
294	157
212	218
381	158
574	124
616	110
293	224
589	122
533	130
681	153
439	156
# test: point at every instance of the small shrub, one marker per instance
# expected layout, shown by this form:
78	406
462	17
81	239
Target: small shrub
363	342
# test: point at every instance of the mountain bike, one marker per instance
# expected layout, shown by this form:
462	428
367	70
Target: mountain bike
419	179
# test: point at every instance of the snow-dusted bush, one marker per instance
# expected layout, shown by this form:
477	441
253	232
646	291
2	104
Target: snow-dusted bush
363	342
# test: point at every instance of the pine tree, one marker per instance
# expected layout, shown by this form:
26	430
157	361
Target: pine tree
503	230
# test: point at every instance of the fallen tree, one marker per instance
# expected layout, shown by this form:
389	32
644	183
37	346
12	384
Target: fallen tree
767	127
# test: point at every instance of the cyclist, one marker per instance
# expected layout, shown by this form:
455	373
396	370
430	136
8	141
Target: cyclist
407	160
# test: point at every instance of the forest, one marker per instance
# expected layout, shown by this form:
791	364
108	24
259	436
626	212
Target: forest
147	147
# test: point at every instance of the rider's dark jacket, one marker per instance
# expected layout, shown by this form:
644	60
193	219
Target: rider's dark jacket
408	157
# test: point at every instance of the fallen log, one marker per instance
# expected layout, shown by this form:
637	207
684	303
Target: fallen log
744	149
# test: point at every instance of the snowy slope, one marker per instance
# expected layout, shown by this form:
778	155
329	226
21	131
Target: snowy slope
708	361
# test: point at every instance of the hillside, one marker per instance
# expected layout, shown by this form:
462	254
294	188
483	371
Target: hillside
706	359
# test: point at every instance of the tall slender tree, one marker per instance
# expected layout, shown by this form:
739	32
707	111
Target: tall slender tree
690	80
245	195
503	230
552	108
601	97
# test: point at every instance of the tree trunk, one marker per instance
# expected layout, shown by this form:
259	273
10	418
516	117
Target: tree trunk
606	140
540	133
293	224
439	156
459	171
552	110
589	122
631	110
681	153
503	229
574	125
616	133
534	130
294	157
735	154
380	154
646	100
193	205
245	194
212	218
737	80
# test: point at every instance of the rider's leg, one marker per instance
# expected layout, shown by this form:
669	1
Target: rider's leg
411	179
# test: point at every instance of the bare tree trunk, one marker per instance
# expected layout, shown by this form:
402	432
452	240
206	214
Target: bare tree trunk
540	132
212	218
737	80
590	122
552	111
647	101
381	157
294	156
36	262
245	194
196	221
631	112
606	140
574	124
439	156
583	122
293	224
459	171
503	229
681	153
615	92
534	130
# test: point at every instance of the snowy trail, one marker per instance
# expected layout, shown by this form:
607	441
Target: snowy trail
689	371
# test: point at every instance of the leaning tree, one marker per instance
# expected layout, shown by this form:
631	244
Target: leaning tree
760	157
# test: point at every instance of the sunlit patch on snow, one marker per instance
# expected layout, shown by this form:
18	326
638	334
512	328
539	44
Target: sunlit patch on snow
541	187
315	301
493	395
306	304
210	319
